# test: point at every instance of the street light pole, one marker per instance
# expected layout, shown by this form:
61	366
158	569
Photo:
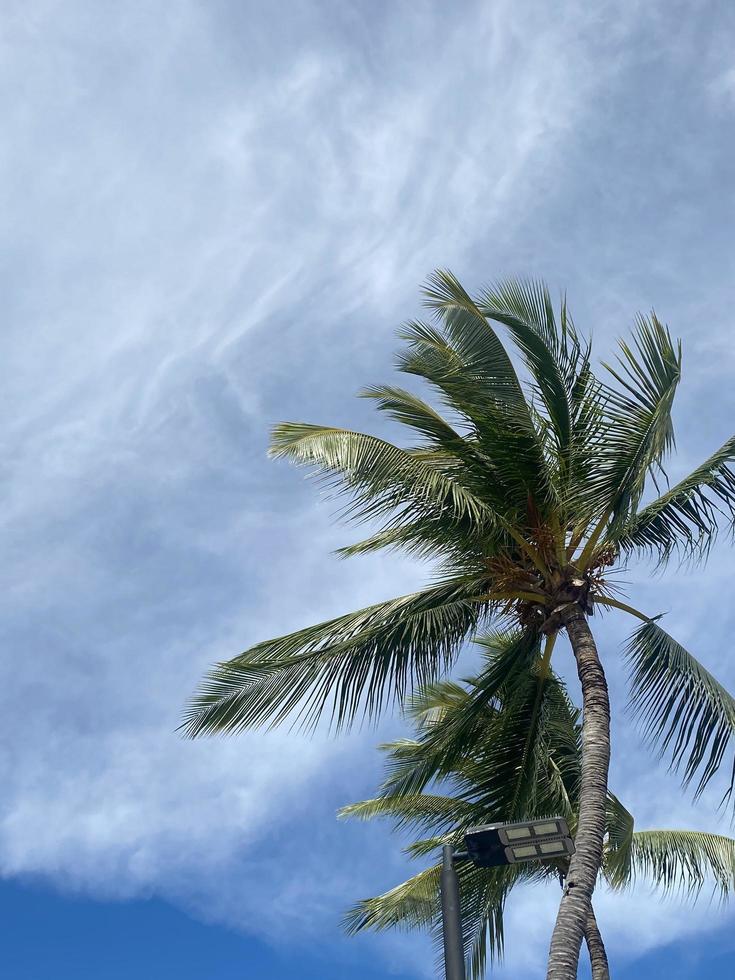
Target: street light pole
451	918
494	845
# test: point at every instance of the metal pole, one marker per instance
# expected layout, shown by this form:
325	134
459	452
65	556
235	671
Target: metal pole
451	920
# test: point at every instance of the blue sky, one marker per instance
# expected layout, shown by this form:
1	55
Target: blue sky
216	215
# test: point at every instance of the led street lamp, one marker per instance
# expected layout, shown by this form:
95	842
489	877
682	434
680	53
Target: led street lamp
495	844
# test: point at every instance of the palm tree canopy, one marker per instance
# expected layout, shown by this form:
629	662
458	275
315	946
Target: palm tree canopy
510	771
526	488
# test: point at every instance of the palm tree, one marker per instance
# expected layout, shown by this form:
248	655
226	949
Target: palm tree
527	495
515	769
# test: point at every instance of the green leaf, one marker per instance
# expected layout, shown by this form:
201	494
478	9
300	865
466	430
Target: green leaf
410	905
351	663
525	307
618	850
529	767
683	709
380	477
481	352
468	364
640	431
454	720
410	410
686	517
415	905
684	861
426	812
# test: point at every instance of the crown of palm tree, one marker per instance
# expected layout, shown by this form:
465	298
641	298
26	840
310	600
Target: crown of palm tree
526	495
522	762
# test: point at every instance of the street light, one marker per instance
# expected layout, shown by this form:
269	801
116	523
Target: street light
493	845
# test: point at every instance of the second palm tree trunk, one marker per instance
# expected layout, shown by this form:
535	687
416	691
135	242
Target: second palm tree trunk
596	948
575	907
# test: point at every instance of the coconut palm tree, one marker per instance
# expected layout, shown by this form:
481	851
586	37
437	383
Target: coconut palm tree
527	493
523	763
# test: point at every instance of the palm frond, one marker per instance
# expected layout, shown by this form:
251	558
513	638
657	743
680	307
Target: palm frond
526	309
454	546
686	517
414	904
683	709
405	407
446	738
410	905
512	755
427	812
429	705
410	538
618	850
684	861
477	344
459	455
350	663
379	477
639	432
430	355
529	764
467	363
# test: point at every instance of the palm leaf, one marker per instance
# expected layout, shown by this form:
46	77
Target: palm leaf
459	456
410	905
427	812
350	663
455	547
512	754
476	343
468	364
380	477
454	719
411	538
686	517
684	860
408	409
638	418
523	769
526	309
683	709
414	904
618	850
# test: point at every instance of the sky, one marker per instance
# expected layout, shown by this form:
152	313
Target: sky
215	215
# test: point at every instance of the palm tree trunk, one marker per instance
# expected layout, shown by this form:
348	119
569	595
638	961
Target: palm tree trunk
575	907
596	948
